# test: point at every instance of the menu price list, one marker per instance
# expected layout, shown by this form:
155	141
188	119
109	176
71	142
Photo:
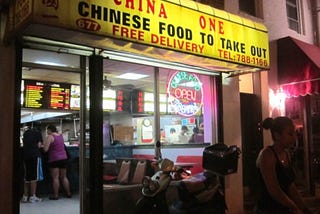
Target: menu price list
38	94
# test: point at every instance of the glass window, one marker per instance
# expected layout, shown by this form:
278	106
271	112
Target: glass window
214	3
189	107
129	105
251	7
247	6
293	15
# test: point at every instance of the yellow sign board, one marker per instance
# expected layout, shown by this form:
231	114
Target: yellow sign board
190	28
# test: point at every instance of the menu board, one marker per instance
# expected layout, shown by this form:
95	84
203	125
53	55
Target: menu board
123	101
75	97
47	95
138	102
116	100
51	95
143	102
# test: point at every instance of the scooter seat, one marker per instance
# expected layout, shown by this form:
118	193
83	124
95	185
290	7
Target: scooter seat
199	182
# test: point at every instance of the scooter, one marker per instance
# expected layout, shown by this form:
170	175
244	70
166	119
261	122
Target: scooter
201	193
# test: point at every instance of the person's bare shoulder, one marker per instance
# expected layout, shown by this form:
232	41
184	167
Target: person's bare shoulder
265	157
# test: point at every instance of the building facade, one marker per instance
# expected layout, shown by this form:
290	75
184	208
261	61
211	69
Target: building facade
294	72
294	19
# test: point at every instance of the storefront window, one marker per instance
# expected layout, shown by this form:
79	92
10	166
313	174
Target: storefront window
128	104
188	99
185	103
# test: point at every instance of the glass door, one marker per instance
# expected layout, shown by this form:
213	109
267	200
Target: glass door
51	90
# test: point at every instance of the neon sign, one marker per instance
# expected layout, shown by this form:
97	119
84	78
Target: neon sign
185	93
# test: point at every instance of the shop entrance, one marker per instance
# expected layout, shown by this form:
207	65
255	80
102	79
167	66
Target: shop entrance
252	143
50	95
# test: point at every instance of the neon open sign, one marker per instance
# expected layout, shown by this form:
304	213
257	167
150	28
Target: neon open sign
185	93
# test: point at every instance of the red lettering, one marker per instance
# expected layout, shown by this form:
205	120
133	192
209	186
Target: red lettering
149	6
117	2
162	12
202	22
128	33
128	3
214	25
221	30
187	94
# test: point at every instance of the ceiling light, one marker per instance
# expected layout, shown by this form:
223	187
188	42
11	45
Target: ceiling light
49	63
131	76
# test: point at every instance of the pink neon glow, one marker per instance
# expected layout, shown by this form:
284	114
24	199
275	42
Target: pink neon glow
185	93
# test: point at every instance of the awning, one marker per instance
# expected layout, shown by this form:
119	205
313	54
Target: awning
298	67
205	37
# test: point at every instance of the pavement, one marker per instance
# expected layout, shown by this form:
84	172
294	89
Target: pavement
312	202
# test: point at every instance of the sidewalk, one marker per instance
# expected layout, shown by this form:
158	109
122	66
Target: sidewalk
63	205
313	202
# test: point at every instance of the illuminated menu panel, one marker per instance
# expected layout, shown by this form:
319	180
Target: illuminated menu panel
109	99
123	100
75	97
143	102
48	95
138	102
59	96
148	100
120	101
116	100
34	93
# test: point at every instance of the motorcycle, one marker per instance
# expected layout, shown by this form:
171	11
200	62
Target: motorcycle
201	193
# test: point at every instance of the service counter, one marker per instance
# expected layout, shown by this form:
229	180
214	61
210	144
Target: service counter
109	153
45	186
113	152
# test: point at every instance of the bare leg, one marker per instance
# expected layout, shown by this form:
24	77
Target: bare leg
26	188
55	181
65	181
33	187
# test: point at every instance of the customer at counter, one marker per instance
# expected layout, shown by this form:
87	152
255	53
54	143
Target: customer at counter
32	140
57	161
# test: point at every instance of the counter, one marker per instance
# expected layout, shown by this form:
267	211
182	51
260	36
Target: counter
45	186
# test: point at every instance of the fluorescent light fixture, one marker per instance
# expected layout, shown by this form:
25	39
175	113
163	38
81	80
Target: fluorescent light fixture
155	62
131	76
49	63
40	116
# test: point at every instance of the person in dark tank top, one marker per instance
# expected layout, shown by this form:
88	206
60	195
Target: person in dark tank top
278	192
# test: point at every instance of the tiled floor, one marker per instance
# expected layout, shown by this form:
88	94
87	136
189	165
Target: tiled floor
63	205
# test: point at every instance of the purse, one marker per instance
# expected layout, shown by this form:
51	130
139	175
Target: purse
67	152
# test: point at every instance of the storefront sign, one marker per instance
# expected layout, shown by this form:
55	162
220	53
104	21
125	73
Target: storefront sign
23	10
190	28
185	93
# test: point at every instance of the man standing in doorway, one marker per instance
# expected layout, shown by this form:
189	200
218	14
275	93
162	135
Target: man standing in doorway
32	140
